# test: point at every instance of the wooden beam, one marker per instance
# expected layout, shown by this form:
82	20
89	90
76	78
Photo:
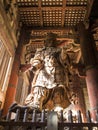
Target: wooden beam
89	7
59	38
66	29
63	13
40	12
52	8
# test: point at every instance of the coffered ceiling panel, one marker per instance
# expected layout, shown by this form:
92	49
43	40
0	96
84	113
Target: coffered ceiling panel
52	13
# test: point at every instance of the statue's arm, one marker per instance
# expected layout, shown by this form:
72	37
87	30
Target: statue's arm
25	67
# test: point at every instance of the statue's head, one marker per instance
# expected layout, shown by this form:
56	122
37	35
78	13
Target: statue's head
50	39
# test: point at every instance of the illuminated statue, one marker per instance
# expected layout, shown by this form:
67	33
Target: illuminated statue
52	67
50	77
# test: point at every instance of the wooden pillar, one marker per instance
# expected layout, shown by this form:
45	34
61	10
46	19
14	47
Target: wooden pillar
89	53
92	87
11	90
80	102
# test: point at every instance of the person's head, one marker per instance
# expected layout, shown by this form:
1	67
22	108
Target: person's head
50	40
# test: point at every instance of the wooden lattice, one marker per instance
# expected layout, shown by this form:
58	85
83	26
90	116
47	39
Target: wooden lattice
52	13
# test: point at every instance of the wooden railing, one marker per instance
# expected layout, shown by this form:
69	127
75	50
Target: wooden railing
46	120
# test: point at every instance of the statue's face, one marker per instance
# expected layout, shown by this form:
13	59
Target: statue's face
50	39
50	42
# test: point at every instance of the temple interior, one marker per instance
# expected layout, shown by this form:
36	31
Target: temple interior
26	29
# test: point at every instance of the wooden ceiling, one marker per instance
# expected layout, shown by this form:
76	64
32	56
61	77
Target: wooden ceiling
58	16
52	13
